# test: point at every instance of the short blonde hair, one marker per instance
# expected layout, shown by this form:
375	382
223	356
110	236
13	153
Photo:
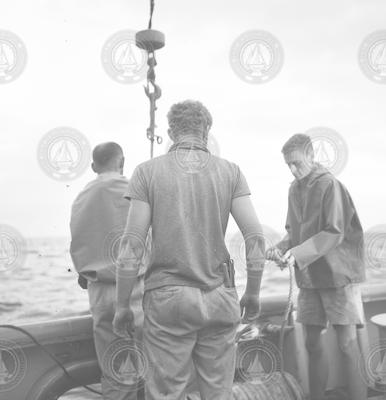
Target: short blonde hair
188	117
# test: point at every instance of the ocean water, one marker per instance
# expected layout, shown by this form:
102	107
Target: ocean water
46	288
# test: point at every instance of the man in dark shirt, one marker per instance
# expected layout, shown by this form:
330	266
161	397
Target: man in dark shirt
187	196
325	243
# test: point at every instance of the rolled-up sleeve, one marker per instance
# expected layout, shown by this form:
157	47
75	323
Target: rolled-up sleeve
241	187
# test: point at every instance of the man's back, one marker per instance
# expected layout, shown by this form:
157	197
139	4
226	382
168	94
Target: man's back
190	212
97	219
191	307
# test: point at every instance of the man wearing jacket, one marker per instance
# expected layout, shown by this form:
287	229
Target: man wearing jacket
324	243
97	222
191	306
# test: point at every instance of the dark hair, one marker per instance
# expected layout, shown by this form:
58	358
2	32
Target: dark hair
299	141
189	116
104	153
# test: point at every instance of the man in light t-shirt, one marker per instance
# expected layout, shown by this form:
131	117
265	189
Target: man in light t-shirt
191	309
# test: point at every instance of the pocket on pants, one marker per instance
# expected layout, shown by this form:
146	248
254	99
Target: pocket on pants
231	290
166	292
163	304
230	304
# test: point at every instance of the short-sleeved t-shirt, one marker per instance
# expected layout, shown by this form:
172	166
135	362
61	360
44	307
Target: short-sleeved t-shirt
190	212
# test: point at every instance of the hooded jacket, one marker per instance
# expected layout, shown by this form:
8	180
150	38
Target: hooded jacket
323	232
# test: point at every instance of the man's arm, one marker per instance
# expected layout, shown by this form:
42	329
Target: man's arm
276	252
132	248
82	281
245	216
337	213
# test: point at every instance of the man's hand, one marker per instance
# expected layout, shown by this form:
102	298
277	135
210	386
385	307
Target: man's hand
250	308
276	255
123	323
289	259
82	281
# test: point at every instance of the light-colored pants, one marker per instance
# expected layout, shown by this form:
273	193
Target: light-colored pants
102	297
182	324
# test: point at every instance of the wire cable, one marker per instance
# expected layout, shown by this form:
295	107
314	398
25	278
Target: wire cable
50	355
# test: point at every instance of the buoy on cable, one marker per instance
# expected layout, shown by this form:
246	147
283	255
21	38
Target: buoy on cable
150	40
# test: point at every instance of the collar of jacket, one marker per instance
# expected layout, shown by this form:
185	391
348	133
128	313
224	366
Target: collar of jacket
317	171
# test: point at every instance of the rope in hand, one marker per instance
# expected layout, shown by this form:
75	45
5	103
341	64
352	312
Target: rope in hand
288	309
287	313
284	324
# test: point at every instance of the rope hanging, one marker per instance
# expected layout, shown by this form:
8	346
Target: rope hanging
151	13
151	40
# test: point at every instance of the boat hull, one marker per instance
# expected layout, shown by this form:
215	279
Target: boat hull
71	342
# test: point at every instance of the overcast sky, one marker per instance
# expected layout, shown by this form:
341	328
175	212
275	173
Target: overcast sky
64	84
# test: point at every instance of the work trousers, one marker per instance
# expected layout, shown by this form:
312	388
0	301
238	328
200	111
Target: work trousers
102	297
182	324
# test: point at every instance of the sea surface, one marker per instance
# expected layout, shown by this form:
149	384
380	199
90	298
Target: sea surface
46	288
